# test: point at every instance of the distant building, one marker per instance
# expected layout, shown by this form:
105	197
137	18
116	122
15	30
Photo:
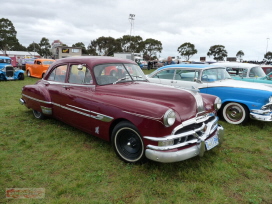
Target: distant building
65	51
59	51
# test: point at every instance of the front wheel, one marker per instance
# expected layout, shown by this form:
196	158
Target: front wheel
38	115
128	143
235	113
21	76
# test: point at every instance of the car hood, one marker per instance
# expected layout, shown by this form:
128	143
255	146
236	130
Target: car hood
155	99
240	84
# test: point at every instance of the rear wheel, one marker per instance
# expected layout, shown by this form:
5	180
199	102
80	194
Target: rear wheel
128	143
235	113
21	76
38	115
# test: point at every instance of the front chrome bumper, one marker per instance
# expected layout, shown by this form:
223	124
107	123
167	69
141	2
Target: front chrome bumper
180	152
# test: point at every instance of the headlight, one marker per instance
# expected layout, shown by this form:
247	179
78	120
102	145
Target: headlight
169	118
270	99
217	103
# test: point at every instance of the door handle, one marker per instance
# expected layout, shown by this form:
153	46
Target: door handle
66	87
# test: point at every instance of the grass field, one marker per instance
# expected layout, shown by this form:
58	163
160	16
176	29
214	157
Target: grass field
74	167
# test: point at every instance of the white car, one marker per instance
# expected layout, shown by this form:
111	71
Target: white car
240	100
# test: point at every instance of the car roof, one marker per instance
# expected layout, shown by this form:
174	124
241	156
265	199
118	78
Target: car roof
94	60
198	66
4	57
42	59
236	64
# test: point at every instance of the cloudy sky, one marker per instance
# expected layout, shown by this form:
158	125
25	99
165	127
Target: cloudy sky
238	25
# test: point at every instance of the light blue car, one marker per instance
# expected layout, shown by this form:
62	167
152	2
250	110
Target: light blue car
240	100
247	72
8	72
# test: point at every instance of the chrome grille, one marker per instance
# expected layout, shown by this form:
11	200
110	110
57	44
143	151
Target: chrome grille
193	127
9	71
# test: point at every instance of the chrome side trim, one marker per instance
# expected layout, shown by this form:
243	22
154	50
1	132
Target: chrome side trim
144	116
99	116
38	100
46	110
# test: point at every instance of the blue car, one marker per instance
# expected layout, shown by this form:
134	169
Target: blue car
240	100
8	72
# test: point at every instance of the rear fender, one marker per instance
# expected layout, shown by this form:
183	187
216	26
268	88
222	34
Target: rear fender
37	98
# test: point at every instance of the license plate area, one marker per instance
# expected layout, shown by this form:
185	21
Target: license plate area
212	142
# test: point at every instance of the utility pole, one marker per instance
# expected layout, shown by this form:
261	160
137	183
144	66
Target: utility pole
266	45
131	20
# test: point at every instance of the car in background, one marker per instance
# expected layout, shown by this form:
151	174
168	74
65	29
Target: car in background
240	100
9	72
4	61
246	72
141	119
38	67
267	68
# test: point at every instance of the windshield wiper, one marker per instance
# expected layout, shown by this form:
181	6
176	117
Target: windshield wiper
121	79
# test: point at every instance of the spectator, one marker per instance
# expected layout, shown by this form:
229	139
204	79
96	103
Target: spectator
169	61
149	65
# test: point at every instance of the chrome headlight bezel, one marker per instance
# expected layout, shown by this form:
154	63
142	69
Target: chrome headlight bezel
217	103
169	118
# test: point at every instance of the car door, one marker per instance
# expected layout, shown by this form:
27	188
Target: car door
77	99
54	85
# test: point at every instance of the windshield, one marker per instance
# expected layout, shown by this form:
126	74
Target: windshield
115	73
8	61
47	62
214	74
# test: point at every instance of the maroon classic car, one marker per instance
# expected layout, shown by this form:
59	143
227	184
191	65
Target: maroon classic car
142	120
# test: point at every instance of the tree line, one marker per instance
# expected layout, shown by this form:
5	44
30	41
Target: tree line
106	46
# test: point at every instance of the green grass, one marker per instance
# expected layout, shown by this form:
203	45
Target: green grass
75	167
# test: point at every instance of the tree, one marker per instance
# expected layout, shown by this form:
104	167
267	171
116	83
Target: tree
44	48
218	52
81	44
268	56
18	47
151	47
130	44
33	47
104	46
187	50
7	35
240	55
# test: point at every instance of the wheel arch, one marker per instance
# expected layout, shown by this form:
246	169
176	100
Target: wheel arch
114	123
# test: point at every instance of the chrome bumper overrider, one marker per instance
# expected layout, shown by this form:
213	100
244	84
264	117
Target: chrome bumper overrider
167	154
261	115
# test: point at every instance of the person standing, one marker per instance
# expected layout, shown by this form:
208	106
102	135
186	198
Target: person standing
169	61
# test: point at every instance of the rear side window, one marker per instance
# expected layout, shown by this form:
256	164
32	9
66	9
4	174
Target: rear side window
58	74
80	74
